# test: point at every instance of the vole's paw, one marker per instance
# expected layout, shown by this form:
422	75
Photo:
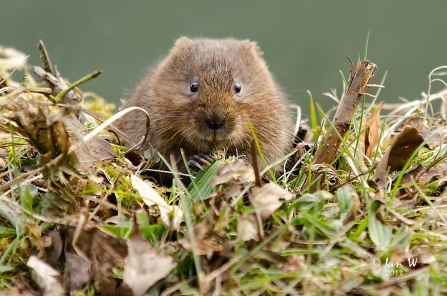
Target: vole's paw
197	162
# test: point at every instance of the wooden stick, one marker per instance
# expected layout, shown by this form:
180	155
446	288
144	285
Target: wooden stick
358	82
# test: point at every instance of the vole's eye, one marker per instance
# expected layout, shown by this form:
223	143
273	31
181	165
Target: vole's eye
194	87
237	87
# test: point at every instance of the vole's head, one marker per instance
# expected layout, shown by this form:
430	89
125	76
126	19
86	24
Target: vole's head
213	88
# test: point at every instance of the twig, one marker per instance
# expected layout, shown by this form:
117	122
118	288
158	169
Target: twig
30	173
60	95
45	58
358	83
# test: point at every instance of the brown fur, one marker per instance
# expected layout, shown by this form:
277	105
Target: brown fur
177	115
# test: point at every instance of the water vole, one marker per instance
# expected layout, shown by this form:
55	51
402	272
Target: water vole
200	98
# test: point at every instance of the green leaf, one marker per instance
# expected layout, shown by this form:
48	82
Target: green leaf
313	114
304	221
27	194
402	239
4	268
380	234
6	231
309	201
361	226
327	229
120	231
346	201
153	233
142	219
201	188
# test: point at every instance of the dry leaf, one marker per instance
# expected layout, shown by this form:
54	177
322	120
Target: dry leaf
295	263
30	120
207	240
236	171
98	149
96	255
398	154
13	58
53	244
46	277
437	172
143	265
151	197
408	196
372	133
267	198
403	147
439	138
17	292
247	228
77	272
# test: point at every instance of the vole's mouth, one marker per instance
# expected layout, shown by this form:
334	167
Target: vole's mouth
215	133
208	141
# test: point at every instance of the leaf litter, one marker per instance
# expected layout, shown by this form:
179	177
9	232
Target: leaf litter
81	214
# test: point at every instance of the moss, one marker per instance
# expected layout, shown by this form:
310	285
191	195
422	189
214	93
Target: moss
124	191
4	243
99	105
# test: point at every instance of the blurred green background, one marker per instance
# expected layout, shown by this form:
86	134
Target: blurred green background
305	42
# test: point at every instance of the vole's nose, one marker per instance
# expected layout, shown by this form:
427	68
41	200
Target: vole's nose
214	121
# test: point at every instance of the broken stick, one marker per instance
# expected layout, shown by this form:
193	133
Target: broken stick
358	82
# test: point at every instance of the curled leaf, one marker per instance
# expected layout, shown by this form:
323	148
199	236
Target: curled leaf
371	135
398	154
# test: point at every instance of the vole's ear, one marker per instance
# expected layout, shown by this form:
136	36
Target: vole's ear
182	42
255	47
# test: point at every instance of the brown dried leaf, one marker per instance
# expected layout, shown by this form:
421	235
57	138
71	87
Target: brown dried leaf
143	266
247	228
95	253
413	175
439	138
372	133
295	263
29	119
17	292
237	171
98	149
403	147
206	240
437	172
267	198
398	154
53	244
77	271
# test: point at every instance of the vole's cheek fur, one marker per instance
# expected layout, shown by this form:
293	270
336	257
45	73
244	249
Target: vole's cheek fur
215	117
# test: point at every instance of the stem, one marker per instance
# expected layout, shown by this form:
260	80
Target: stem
58	98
